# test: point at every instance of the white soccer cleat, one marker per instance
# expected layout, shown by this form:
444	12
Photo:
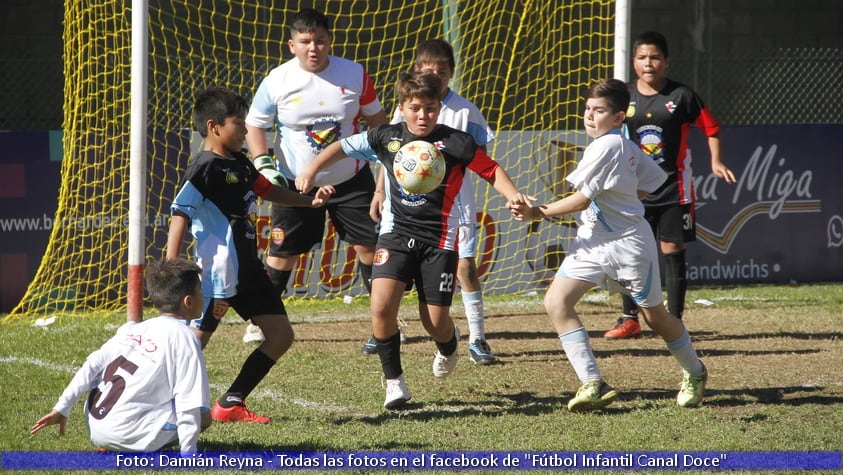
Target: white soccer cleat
397	393
253	334
443	365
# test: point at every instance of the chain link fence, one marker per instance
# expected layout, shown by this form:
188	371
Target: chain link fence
782	86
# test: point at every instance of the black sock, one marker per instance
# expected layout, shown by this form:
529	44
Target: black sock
279	279
389	351
675	282
256	366
629	306
366	275
449	347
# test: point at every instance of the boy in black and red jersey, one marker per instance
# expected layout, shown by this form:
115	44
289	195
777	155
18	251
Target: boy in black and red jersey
418	233
659	119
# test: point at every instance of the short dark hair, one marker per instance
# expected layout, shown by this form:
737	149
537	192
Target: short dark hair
651	38
309	20
411	85
615	92
217	104
168	281
435	51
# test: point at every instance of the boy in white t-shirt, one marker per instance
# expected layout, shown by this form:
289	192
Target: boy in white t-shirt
148	385
614	248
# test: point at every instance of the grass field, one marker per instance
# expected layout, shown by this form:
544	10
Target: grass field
774	355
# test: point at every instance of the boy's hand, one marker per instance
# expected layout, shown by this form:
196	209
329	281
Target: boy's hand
304	182
54	417
266	166
322	195
521	208
376	206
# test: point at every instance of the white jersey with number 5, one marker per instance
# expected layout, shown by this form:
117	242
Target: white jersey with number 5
139	379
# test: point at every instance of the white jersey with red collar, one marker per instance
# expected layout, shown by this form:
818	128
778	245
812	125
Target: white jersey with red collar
313	110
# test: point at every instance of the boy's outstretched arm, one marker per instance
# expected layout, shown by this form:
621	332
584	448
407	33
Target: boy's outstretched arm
332	154
503	184
288	197
522	211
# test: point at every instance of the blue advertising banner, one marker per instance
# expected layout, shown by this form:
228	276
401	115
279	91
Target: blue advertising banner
782	222
408	461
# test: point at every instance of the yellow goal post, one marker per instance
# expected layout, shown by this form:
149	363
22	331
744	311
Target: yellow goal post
525	63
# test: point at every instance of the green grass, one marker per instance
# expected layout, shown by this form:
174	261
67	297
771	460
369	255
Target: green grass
774	354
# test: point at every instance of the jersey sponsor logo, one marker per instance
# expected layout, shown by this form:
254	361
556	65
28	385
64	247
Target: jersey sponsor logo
277	235
381	257
393	146
323	132
630	111
231	177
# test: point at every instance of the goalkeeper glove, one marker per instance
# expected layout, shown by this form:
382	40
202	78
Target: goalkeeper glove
266	166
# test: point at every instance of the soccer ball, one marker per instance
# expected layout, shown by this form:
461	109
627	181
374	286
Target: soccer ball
419	167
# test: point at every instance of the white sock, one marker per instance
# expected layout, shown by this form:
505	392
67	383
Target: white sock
683	350
578	350
473	302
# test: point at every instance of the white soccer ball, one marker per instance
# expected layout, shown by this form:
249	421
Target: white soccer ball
419	167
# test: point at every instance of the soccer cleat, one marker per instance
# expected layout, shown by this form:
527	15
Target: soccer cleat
236	414
370	347
443	365
253	334
627	327
692	390
480	353
397	393
592	396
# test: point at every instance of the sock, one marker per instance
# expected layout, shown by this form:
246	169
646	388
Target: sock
578	350
449	347
683	350
675	282
630	308
389	351
473	302
279	279
366	275
256	366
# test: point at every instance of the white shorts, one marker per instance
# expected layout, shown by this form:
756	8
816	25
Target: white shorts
467	233
626	261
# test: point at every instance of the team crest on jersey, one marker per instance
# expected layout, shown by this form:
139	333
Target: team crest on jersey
630	111
323	132
381	257
277	235
220	308
440	145
231	177
670	106
393	146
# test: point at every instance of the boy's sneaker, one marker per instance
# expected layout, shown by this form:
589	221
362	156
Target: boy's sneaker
592	396
370	347
397	393
480	353
253	334
443	365
235	414
692	390
627	327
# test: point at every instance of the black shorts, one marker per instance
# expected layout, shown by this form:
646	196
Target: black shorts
295	230
407	259
672	223
257	300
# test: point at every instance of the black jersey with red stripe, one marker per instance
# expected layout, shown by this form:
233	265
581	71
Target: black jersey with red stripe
432	218
659	124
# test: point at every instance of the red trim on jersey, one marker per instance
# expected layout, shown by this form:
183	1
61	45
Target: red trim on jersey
483	164
707	123
452	189
369	94
261	186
